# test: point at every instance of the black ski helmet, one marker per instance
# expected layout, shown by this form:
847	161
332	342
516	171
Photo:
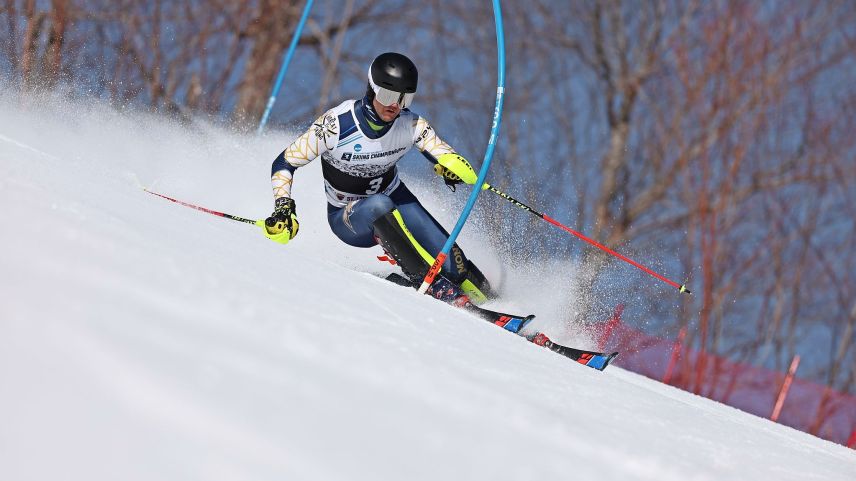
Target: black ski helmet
393	71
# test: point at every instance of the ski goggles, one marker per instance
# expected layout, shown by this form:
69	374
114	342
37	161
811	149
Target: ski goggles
388	97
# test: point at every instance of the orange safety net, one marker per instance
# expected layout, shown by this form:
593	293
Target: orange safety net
811	407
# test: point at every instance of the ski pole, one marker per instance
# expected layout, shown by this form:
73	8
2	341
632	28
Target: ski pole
259	223
679	287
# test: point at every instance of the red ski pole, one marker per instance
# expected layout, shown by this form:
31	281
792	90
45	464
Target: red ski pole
259	223
679	287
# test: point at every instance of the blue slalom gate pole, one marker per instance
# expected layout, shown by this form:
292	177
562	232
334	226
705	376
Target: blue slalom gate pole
494	132
285	61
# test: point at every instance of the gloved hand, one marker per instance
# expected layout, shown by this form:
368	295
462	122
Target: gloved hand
455	169
282	225
450	178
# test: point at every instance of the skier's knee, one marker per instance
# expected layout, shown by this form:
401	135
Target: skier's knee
377	205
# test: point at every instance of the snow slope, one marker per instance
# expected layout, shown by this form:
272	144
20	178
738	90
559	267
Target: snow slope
142	340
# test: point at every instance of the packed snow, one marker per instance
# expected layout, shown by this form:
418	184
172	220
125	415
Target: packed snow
143	340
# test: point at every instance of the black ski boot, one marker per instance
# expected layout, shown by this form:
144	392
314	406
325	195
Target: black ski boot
399	244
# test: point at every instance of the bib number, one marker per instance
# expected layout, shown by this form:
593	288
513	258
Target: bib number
374	186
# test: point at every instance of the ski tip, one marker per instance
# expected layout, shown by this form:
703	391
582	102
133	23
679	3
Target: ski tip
526	321
596	360
607	359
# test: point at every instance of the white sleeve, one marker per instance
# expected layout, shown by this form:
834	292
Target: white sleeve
319	138
427	141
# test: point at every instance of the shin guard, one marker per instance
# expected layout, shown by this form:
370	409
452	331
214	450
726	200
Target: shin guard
392	235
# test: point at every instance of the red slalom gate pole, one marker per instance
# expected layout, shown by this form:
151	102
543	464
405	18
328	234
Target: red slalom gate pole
783	392
610	326
679	287
673	359
851	443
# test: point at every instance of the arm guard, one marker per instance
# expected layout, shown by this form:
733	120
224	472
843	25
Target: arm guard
458	166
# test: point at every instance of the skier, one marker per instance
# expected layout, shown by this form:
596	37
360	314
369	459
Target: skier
360	142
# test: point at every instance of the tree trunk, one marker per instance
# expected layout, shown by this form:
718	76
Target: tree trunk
52	63
270	35
31	40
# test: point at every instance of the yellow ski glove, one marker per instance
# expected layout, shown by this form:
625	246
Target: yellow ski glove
282	225
455	169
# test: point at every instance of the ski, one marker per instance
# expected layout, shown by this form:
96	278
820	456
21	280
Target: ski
593	359
515	323
510	322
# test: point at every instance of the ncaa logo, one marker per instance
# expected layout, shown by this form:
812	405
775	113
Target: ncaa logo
358	148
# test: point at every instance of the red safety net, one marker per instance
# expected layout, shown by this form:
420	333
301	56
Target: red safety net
809	407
